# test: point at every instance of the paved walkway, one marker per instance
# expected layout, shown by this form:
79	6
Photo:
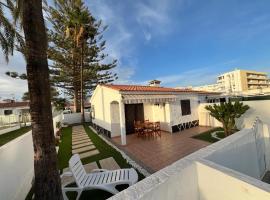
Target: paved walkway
157	153
81	143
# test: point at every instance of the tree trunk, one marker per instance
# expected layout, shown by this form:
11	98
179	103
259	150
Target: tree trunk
76	99
82	84
47	183
75	84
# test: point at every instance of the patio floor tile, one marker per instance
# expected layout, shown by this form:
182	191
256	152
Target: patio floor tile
157	153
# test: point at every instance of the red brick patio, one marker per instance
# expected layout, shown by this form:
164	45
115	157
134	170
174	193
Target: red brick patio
157	153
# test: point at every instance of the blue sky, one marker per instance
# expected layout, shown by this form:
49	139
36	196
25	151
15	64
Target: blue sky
180	42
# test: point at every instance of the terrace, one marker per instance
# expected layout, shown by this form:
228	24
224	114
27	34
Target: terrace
169	147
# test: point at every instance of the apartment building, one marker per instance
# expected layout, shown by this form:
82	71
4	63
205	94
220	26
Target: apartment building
239	82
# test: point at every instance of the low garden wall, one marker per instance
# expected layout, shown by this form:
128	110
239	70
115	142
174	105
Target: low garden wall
228	169
259	108
9	129
17	166
75	118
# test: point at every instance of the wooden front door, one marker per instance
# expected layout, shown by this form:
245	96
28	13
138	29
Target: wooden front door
133	112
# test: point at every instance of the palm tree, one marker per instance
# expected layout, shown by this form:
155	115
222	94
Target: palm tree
226	113
80	28
8	33
47	181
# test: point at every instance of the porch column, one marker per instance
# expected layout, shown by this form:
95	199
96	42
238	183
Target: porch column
122	123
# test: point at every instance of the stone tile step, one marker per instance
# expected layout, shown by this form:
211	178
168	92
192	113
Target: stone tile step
81	135
88	154
78	132
90	166
78	135
82	145
81	141
81	138
109	163
83	149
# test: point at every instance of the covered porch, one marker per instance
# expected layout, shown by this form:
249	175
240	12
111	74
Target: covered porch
156	153
139	107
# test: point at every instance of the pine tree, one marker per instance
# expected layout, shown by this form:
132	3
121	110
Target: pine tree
76	50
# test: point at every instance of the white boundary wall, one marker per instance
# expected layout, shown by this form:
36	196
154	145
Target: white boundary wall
75	118
9	129
17	166
259	109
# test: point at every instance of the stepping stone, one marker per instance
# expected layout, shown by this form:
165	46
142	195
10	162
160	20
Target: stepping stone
77	132
80	135
88	154
109	163
81	141
90	166
82	145
83	136
83	149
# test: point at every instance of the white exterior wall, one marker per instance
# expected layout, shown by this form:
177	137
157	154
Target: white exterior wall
17	166
160	112
75	118
182	185
218	184
15	111
257	109
176	112
101	100
240	154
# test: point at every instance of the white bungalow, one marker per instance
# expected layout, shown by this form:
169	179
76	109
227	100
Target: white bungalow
116	107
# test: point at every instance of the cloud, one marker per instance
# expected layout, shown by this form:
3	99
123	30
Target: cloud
154	17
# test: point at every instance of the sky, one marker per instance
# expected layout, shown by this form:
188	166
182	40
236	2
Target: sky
180	42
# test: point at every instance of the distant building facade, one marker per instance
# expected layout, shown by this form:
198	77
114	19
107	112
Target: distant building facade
239	82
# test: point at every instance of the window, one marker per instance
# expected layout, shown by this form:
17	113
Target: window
7	112
185	107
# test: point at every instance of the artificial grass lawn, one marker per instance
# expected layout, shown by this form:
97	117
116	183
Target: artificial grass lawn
105	150
206	136
7	137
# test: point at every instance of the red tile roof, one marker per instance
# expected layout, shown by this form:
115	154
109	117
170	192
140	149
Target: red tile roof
14	104
140	88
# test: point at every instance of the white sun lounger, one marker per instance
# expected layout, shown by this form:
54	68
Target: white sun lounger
98	179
